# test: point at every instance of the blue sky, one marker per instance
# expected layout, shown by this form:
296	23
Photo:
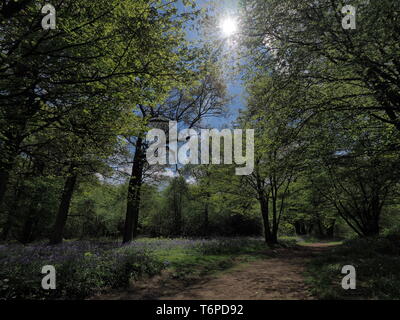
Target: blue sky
234	86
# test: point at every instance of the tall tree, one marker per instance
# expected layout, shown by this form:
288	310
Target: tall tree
278	149
97	55
355	168
187	106
305	42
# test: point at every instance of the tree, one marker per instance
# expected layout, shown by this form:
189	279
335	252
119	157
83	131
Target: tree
176	196
203	175
68	92
97	56
353	159
278	149
342	83
305	42
187	106
10	9
309	211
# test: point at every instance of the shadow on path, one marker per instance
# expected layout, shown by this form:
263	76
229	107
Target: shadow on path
277	277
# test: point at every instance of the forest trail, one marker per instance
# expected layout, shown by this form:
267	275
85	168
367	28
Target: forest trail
279	276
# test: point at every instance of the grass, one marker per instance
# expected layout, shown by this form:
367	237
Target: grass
88	267
326	243
304	240
210	257
376	261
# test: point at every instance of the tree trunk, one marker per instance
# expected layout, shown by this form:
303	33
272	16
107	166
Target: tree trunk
372	228
371	225
297	228
321	233
300	228
28	229
4	177
5	168
11	9
303	228
133	202
274	233
61	220
177	204
10	219
206	219
330	231
265	215
6	229
274	236
7	162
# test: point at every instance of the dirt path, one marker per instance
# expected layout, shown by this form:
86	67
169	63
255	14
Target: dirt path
275	278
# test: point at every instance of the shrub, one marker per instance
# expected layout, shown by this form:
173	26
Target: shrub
231	246
376	261
81	270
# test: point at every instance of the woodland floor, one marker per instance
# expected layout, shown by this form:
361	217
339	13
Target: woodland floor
278	276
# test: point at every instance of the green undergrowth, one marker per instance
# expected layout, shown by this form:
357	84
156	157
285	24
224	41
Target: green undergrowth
376	261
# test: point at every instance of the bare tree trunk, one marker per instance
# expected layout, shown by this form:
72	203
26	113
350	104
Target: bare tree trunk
274	233
321	233
177	214
7	161
6	166
264	204
61	220
330	231
133	202
27	234
303	228
4	177
300	228
371	227
275	227
7	228
10	219
206	215
297	228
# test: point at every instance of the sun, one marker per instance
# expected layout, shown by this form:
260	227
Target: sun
229	26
